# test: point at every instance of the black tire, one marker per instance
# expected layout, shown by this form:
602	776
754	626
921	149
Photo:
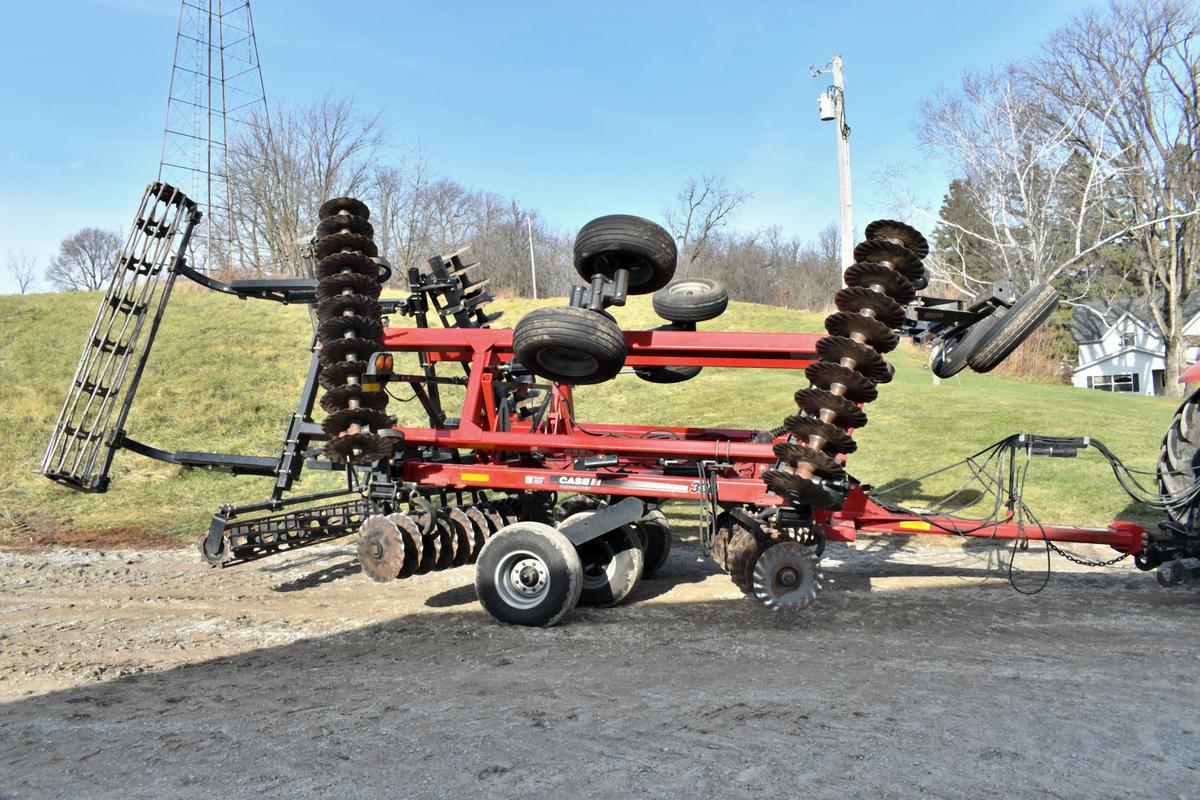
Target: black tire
576	503
667	374
537	557
612	566
1012	326
691	300
1179	456
656	534
621	241
953	355
570	345
672	373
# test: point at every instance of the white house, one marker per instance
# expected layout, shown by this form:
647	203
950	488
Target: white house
1119	350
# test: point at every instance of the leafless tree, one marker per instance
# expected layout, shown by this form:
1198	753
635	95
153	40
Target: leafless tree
701	209
1131	77
1035	206
85	260
280	173
22	265
768	267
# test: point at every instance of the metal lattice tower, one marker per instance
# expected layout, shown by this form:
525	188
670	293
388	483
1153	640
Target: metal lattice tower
216	95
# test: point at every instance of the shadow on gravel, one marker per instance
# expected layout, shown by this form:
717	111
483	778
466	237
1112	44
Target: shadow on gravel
671	575
645	700
322	576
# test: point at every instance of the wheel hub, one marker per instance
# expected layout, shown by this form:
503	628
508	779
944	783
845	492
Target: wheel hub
528	577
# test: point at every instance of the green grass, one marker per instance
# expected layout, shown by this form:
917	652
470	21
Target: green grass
225	375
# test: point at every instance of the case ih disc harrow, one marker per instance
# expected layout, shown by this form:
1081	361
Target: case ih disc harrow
482	486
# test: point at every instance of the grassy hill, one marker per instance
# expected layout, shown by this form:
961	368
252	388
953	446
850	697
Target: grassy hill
224	376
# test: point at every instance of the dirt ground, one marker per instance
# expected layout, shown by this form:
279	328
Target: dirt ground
920	672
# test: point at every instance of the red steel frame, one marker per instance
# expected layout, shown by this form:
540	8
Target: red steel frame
510	455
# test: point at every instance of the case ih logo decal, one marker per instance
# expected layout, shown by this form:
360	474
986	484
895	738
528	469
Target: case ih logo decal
571	480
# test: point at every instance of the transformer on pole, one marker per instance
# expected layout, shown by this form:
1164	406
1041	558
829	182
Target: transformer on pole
216	94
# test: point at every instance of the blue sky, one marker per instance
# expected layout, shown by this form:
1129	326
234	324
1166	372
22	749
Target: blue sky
575	108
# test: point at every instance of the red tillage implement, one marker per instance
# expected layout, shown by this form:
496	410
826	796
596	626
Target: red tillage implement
554	511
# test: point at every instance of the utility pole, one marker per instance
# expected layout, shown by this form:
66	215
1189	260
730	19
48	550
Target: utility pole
532	267
832	107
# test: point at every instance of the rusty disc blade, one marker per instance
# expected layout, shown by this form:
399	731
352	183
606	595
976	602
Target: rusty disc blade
340	421
347	262
480	527
464	535
352	326
836	439
345	242
826	374
888	281
380	549
338	285
448	552
795	453
339	397
814	400
344	223
881	251
720	547
334	375
349	205
867	360
851	323
801	491
787	577
741	555
493	516
858	299
900	233
410	534
358	448
359	305
431	545
346	350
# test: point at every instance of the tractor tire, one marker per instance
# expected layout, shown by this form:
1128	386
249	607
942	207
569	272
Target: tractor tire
620	241
570	345
528	574
691	300
1012	326
1179	457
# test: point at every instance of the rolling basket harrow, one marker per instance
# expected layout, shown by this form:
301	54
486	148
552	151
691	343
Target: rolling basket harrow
482	487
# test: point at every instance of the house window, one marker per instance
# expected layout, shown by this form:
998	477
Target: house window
1127	339
1125	382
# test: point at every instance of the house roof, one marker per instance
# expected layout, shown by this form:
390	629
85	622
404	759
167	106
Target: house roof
1089	323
